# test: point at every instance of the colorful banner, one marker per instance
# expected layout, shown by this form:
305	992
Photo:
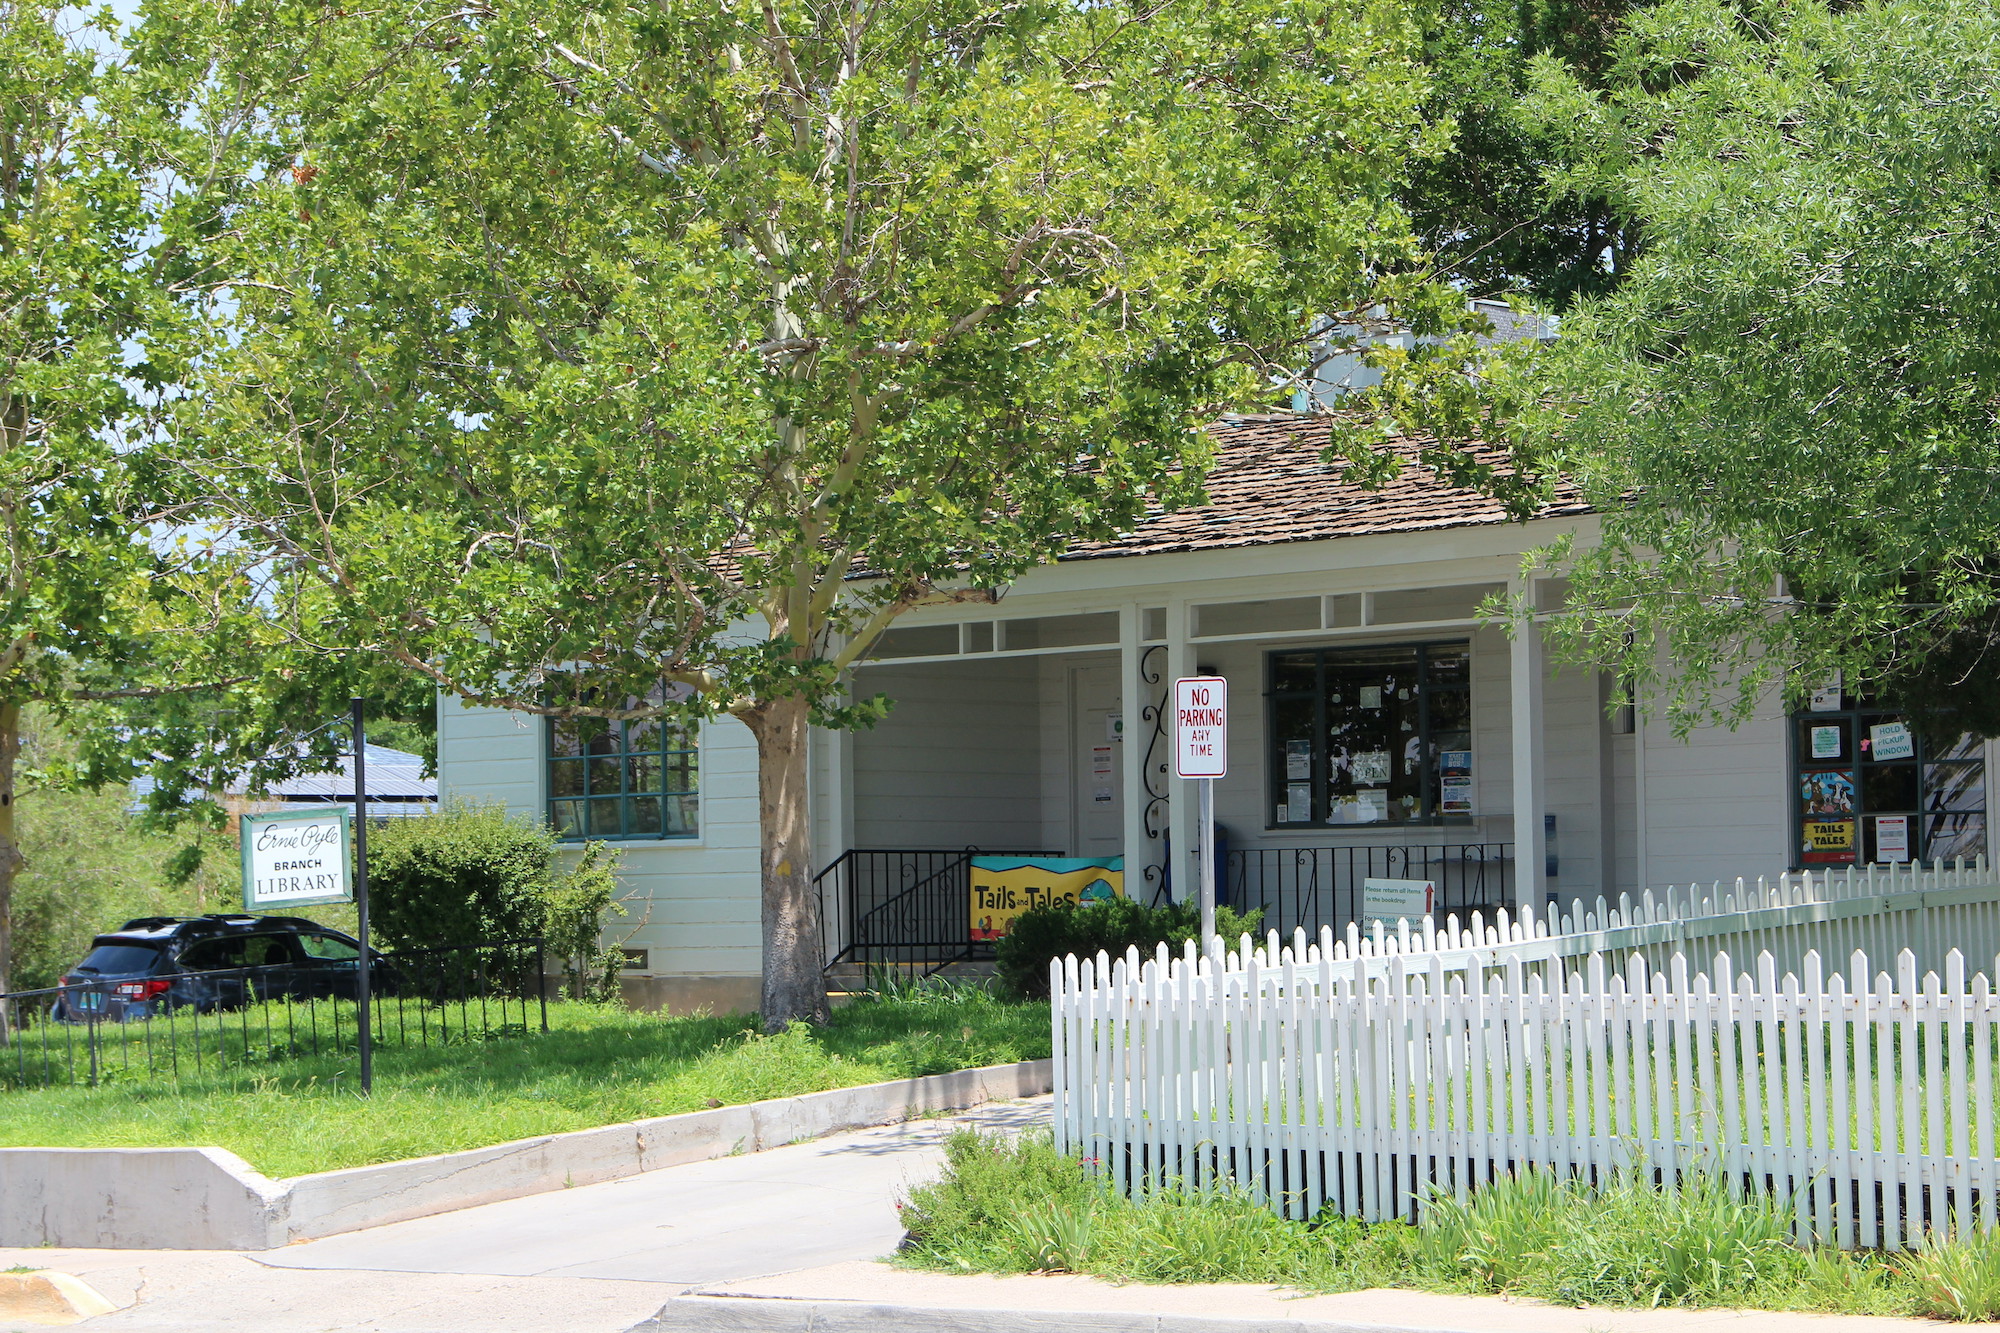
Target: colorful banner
1003	887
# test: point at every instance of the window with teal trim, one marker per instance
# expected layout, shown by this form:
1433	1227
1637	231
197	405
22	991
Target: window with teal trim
622	779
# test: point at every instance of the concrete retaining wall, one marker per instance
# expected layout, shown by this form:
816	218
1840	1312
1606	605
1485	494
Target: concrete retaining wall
208	1199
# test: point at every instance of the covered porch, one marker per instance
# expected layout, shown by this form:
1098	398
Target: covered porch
1373	733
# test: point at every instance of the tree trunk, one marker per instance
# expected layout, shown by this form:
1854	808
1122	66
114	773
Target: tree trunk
794	982
11	860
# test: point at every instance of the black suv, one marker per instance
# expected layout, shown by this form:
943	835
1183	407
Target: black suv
159	963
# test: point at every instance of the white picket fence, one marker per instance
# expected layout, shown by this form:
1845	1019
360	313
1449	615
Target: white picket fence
1362	1077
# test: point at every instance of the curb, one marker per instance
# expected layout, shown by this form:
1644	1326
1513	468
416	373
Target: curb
209	1199
762	1314
49	1297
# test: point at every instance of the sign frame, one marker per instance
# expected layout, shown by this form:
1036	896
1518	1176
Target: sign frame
1192	693
1401	900
250	825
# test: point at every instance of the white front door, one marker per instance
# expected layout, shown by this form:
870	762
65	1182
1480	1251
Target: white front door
1097	826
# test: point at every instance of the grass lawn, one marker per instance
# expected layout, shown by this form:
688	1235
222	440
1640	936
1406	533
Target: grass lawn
597	1065
1022	1207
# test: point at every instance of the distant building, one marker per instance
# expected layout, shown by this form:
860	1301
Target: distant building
397	788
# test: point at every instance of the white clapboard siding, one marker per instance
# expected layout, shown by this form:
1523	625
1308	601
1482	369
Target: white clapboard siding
1361	1075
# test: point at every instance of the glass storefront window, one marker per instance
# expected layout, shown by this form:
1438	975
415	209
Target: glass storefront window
1867	789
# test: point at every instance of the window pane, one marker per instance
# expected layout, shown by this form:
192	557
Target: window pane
566	777
1372	746
1292	737
683	772
643	735
1967	746
1889	787
1948	837
606	818
643	772
1450	666
646	817
604	776
682	816
600	740
1294	672
567	816
1451	710
1955	787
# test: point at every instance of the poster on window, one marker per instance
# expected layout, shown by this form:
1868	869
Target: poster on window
1892	740
1826	699
1826	742
1892	838
1298	806
1370	768
1455	795
1298	761
1828	841
1827	793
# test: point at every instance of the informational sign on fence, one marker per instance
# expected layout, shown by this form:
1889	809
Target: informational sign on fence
1393	900
1201	727
293	860
1003	887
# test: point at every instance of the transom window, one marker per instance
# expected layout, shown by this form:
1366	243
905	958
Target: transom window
1867	789
622	779
1371	735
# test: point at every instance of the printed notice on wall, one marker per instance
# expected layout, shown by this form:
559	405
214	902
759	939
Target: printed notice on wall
1892	837
1455	782
1298	806
1826	699
1826	742
1892	740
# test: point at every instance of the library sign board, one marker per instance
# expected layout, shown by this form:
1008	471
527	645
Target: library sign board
293	859
1003	887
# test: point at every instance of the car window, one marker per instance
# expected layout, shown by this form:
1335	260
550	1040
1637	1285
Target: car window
213	955
268	951
120	958
328	949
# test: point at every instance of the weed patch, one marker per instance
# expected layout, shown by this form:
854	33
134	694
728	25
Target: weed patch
1022	1206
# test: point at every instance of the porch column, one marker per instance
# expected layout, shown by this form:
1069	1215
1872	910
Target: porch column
1132	747
1180	792
1530	770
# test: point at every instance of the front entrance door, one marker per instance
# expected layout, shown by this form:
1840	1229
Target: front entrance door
1097	767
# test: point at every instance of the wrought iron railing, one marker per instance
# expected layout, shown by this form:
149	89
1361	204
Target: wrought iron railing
901	907
1311	887
185	1024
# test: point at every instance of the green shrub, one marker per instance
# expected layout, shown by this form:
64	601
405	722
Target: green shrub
472	873
1112	926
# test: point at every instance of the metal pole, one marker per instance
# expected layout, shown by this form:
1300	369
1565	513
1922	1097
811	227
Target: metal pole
362	1028
1206	852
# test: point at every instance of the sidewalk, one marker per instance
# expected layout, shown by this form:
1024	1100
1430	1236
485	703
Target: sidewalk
783	1241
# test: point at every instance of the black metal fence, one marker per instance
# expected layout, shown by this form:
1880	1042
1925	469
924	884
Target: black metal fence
1311	887
195	1024
901	907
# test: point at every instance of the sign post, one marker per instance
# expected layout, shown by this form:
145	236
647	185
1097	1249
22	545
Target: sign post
363	1030
1201	752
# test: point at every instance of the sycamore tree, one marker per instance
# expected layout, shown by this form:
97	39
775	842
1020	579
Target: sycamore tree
1789	411
636	362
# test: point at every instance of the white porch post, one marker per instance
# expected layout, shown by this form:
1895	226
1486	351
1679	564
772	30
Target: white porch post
1180	793
1132	748
1530	770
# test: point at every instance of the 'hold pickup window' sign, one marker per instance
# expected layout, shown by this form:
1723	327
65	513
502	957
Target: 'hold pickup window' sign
1201	727
292	859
